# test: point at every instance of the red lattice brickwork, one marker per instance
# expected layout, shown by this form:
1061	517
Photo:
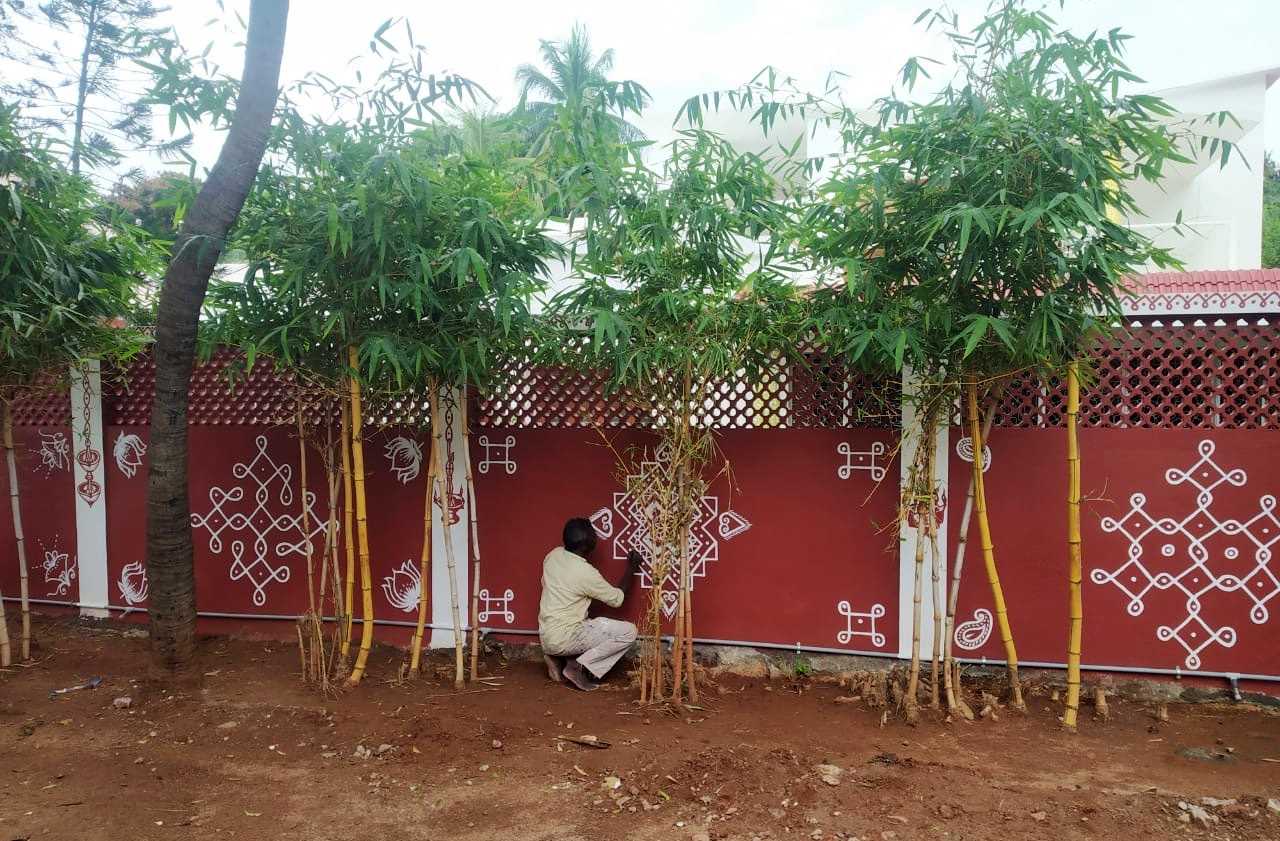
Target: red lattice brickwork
48	407
1155	376
815	394
260	397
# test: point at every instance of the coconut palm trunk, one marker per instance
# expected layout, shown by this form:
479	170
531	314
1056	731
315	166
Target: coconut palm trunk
15	507
1074	602
988	551
362	522
199	244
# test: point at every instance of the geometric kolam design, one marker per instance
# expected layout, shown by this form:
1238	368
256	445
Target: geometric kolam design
496	606
861	460
628	525
403	587
974	634
59	570
265	529
865	623
133	583
498	454
1195	549
405	456
964	449
128	452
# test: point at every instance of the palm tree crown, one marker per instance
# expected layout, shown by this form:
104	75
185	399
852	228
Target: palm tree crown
573	79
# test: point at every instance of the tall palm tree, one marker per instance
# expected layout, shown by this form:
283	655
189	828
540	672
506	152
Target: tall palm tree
575	82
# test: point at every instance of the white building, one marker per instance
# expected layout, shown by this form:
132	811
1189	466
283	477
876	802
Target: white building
1221	205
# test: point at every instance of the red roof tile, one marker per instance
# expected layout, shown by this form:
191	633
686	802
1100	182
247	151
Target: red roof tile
1207	282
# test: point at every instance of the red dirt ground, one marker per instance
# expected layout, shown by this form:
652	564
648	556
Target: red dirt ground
250	753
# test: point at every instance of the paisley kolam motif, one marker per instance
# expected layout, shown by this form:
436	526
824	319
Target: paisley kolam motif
974	634
964	449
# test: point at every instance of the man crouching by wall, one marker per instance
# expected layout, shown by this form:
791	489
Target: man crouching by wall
569	583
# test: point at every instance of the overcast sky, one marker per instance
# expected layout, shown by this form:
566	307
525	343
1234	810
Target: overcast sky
677	49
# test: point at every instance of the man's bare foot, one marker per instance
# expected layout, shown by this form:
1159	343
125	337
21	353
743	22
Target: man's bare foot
576	674
554	667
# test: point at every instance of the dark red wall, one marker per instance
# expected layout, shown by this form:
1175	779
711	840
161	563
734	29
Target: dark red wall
813	539
47	492
1027	500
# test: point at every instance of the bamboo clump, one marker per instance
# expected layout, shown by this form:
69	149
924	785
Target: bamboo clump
362	523
919	499
333	664
15	506
424	567
310	629
671	492
1075	604
951	667
988	550
668	492
474	543
939	596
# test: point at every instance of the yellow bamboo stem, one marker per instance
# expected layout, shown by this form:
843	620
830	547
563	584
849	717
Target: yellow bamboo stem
15	506
475	542
362	523
1074	603
424	565
348	540
988	550
955	697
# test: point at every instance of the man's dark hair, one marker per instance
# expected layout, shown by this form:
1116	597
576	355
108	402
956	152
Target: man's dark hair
579	536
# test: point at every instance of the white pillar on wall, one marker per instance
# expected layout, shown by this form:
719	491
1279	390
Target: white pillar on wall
90	487
907	533
441	602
